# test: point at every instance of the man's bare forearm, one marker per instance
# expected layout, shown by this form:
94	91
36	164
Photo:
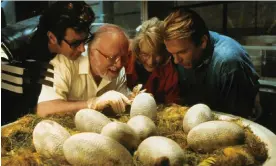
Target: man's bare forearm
59	106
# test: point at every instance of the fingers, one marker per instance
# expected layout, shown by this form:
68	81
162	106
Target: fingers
101	104
137	88
122	103
118	105
125	99
116	100
142	91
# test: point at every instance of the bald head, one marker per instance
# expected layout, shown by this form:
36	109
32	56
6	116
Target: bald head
110	31
110	28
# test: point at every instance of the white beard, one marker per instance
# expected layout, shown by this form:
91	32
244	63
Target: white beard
102	74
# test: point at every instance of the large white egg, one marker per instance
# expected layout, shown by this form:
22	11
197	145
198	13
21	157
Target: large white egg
89	120
48	139
123	134
143	126
95	149
211	135
195	115
157	149
144	104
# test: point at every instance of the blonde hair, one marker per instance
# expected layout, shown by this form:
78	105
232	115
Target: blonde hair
151	34
183	24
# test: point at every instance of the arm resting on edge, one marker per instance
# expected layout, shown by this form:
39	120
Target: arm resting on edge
59	106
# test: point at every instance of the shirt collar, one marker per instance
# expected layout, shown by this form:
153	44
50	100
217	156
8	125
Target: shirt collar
207	56
84	68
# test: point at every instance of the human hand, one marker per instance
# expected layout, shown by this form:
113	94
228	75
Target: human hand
116	100
135	91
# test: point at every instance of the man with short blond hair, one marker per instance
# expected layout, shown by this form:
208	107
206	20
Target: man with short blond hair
95	80
213	69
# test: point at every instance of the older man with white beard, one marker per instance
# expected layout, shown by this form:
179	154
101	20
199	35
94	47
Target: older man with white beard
93	81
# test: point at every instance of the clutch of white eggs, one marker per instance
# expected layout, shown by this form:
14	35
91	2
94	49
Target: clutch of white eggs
103	141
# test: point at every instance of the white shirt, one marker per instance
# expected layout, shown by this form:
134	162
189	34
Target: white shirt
74	81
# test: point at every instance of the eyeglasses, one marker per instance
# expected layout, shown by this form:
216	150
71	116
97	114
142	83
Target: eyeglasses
144	56
111	60
77	43
159	60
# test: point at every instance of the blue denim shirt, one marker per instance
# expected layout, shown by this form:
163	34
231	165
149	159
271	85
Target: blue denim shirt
226	80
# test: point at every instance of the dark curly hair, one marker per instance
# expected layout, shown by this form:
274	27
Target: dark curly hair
62	15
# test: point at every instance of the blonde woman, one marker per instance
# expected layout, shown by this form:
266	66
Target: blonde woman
150	64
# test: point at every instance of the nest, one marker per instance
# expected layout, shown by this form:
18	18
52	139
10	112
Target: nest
17	147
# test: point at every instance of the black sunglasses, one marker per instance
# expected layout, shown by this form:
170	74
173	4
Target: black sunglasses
77	43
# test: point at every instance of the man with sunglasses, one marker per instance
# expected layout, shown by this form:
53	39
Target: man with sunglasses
95	81
63	28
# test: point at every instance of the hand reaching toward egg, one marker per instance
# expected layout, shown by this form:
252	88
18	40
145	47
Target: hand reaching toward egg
135	91
115	99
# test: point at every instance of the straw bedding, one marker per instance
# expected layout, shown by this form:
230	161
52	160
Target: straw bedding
17	147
